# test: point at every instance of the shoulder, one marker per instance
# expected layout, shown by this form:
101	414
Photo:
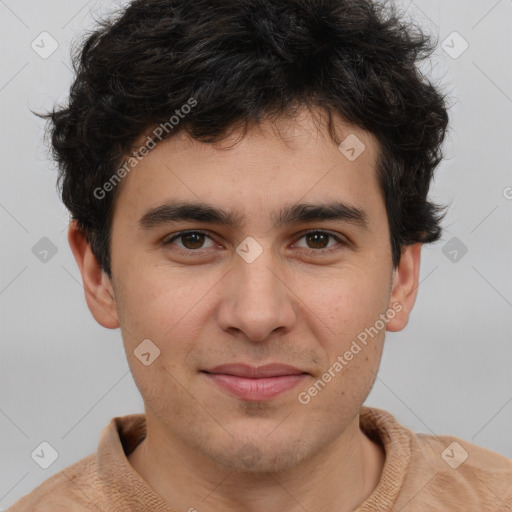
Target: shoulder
464	457
461	473
436	472
73	488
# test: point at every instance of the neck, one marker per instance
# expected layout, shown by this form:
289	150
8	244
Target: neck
339	478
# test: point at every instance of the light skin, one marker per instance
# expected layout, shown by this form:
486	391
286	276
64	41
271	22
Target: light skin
203	305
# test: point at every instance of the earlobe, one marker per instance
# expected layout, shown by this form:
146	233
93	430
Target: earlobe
99	293
404	287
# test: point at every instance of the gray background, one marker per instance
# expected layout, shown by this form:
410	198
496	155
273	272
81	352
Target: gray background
63	377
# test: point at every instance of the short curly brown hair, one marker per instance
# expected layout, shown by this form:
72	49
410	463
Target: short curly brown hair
243	61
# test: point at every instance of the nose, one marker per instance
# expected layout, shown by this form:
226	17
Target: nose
256	301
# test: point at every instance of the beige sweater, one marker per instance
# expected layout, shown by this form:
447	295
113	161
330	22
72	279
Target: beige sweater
421	473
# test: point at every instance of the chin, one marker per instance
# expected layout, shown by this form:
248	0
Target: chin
261	463
260	455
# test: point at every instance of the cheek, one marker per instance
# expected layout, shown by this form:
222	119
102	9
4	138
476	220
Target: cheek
171	310
347	325
346	307
346	380
156	303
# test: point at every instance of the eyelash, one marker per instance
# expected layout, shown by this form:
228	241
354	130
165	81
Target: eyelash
192	252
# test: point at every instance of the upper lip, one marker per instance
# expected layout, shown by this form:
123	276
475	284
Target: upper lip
256	372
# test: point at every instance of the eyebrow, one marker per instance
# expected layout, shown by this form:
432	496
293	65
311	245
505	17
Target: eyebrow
288	215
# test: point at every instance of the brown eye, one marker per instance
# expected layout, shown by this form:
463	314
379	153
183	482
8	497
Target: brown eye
190	240
318	241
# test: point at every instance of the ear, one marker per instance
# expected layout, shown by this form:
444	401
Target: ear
99	293
404	287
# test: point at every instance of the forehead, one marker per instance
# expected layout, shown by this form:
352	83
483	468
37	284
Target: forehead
288	160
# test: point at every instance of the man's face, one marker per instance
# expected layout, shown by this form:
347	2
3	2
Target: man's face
285	298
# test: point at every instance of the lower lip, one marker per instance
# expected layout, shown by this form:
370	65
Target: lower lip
256	389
